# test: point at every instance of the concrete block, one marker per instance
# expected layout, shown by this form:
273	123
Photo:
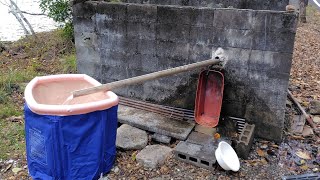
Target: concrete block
161	138
172	51
112	11
154	122
153	156
174	15
142	13
195	154
233	38
270	61
233	108
237	57
202	35
235	93
199	138
116	42
244	143
114	72
173	32
141	30
280	21
86	9
199	52
205	130
113	58
202	17
280	41
112	28
91	69
233	19
84	24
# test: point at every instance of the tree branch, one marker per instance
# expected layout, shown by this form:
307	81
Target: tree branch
35	14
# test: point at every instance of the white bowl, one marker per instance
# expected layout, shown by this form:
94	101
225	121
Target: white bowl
227	157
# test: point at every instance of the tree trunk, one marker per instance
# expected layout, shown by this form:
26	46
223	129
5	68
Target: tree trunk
303	5
12	11
22	16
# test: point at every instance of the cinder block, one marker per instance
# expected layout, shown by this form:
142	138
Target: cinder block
202	17
84	24
199	52
205	130
202	35
173	32
86	9
172	51
142	13
112	28
244	143
280	41
280	21
234	38
112	11
233	19
174	15
195	154
141	30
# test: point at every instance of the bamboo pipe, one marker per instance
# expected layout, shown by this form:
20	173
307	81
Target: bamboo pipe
146	77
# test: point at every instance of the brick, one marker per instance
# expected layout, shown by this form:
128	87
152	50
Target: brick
233	19
174	15
244	143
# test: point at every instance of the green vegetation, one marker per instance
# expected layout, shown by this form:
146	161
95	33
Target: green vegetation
21	61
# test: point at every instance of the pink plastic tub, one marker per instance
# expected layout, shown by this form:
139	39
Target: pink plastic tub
48	95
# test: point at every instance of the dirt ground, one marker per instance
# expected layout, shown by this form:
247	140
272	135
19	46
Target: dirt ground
268	160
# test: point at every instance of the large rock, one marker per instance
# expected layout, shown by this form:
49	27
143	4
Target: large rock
314	107
153	156
131	138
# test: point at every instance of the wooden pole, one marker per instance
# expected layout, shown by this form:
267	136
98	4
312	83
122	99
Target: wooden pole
146	77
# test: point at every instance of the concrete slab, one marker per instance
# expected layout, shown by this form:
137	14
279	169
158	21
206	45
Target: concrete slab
154	122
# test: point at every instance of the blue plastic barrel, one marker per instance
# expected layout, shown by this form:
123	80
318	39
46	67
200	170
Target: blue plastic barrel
74	146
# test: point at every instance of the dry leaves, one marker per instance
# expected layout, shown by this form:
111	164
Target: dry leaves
261	153
303	155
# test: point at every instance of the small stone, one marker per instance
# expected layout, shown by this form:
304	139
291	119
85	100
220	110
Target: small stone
316	119
25	167
315	169
307	131
115	169
16	170
161	138
314	107
131	138
263	146
153	156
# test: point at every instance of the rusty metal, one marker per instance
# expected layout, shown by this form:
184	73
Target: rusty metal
171	112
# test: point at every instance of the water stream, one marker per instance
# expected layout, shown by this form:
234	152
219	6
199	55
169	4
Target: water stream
10	29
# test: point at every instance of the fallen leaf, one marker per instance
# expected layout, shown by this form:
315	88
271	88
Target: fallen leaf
303	155
133	156
261	153
264	161
274	146
16	170
304	167
217	136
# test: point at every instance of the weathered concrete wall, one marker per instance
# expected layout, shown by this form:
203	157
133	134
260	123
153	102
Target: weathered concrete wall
116	41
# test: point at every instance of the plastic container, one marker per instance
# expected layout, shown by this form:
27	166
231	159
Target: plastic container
73	139
227	157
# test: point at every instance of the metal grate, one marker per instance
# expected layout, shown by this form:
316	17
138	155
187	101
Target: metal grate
315	176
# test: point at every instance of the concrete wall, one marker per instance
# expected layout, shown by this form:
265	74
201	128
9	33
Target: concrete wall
117	41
